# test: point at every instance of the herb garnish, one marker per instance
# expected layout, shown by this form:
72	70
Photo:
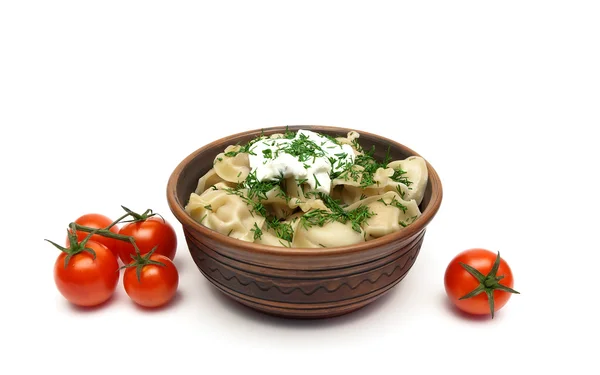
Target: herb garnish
320	217
303	148
247	148
394	202
317	183
365	166
398	176
408	221
257	232
282	230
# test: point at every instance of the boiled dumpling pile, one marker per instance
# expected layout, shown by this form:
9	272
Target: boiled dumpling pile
367	198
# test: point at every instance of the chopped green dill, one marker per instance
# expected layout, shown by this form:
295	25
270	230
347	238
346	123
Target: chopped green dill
394	202
245	149
257	232
332	139
282	230
282	194
208	207
368	167
303	148
302	181
388	157
408	221
317	183
400	191
230	231
257	207
256	188
284	245
398	176
220	159
288	133
320	217
356	145
202	219
256	192
267	154
214	187
239	173
322	245
332	162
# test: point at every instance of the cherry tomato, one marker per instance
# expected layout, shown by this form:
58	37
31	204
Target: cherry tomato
479	282
97	221
148	233
86	281
157	283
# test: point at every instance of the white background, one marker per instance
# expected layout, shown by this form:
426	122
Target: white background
99	101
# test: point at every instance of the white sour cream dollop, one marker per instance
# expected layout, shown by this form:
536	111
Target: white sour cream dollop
271	159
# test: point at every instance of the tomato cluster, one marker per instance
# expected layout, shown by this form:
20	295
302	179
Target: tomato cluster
87	271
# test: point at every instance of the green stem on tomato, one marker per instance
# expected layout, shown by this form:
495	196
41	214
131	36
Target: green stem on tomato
116	221
75	247
139	262
140	217
487	283
107	233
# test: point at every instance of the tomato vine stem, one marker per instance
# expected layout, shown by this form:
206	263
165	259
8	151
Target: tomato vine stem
107	233
74	246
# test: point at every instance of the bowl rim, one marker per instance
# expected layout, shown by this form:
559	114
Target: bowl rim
177	207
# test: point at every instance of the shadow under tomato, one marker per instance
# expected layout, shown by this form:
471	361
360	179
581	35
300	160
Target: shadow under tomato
91	309
458	313
169	305
257	316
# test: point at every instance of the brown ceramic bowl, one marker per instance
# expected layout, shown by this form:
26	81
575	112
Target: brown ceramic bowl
296	282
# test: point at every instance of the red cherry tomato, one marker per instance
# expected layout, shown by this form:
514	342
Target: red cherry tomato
86	281
148	233
93	220
157	283
479	282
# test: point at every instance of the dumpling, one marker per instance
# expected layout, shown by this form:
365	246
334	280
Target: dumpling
279	233
277	136
224	212
413	170
232	165
276	203
300	196
391	214
331	234
209	179
352	140
269	238
350	189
